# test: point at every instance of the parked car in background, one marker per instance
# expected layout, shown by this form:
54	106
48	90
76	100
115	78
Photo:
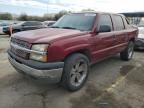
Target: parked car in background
139	44
3	24
49	23
23	26
64	52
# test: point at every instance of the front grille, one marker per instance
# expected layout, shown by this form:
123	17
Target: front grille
19	52
21	43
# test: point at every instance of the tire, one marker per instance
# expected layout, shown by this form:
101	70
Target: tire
75	72
127	54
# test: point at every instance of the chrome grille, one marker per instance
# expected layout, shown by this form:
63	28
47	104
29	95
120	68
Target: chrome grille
19	52
21	43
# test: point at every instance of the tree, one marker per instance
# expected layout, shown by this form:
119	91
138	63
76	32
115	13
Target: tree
87	10
60	14
23	17
35	18
48	17
6	16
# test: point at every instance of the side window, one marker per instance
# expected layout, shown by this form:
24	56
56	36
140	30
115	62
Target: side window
37	23
118	22
105	20
51	23
33	23
27	23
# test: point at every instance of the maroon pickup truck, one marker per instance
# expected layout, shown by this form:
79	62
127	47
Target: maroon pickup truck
64	52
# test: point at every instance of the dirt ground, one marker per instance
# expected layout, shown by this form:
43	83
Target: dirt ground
112	83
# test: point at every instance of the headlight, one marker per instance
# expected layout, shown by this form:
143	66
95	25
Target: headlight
41	48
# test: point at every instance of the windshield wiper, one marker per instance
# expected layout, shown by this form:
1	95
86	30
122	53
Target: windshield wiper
69	28
54	27
63	27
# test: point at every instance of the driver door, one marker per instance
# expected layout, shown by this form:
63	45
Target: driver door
104	41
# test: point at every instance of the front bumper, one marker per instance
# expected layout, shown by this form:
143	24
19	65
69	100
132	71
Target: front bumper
52	72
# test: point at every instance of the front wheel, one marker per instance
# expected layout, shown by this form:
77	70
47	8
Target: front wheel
128	52
75	72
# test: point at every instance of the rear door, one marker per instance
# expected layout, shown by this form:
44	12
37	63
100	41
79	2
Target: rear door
104	40
120	32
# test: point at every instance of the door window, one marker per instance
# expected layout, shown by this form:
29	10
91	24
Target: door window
27	24
105	20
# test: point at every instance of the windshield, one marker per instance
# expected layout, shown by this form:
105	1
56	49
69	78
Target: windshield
83	22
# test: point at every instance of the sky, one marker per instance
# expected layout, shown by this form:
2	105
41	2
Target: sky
40	7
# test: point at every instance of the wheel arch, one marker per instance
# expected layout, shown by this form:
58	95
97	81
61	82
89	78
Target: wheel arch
85	52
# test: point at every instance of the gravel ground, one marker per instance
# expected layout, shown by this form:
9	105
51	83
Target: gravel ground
112	83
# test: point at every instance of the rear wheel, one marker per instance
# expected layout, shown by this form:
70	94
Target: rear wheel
128	52
75	72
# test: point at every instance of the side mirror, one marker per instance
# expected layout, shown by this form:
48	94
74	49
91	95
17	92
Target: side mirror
104	28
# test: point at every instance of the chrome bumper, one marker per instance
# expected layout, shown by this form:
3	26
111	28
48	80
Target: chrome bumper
52	75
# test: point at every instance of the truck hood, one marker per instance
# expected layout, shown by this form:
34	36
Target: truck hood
45	35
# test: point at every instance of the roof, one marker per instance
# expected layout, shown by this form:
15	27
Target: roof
96	12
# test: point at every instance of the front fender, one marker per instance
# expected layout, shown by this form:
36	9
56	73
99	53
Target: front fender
57	51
